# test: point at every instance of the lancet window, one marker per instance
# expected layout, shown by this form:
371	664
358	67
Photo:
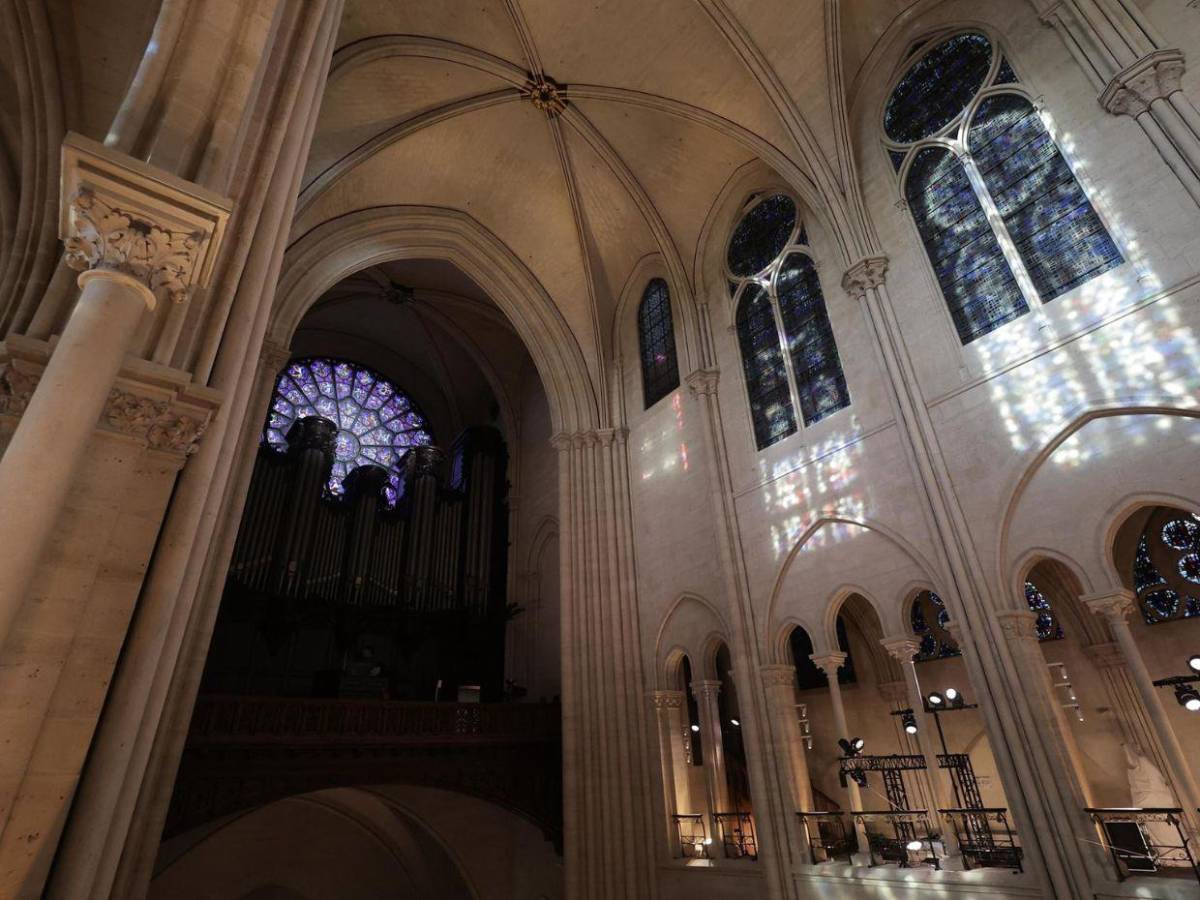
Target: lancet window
377	424
789	355
1005	222
656	343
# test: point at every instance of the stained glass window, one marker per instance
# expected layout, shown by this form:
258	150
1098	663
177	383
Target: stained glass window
930	621
766	374
815	362
1060	238
1046	625
1046	219
377	424
970	267
798	365
1166	567
656	340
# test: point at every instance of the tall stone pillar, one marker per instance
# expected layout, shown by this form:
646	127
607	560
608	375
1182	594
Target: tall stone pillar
1115	606
141	236
668	715
1044	808
829	663
608	814
779	682
706	692
903	649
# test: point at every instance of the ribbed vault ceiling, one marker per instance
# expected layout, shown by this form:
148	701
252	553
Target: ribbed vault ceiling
666	100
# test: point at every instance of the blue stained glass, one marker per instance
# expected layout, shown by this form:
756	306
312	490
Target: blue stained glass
1060	238
1189	567
763	364
1145	573
975	278
815	361
937	88
1005	75
1160	605
1182	534
936	640
897	159
1047	626
656	342
376	424
761	235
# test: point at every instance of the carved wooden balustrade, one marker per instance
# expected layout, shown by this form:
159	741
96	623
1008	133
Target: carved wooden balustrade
243	752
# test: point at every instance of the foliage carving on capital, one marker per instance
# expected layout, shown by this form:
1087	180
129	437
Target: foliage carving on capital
708	689
667	699
1018	624
154	421
132	413
778	675
105	237
865	275
177	434
1113	606
901	649
1155	76
16	387
829	663
703	382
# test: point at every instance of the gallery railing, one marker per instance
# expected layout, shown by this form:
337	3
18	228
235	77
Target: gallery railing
903	837
736	830
1146	841
828	835
692	835
986	837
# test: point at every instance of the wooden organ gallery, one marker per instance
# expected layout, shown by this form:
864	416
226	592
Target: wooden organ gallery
353	596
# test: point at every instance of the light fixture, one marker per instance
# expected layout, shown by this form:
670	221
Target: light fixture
910	722
695	728
1188	697
851	747
857	744
913	846
735	723
936	700
951	694
1194	663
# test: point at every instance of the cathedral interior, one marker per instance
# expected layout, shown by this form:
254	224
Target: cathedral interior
607	450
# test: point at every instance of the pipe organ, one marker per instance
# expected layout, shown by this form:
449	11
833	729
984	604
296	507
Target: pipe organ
344	596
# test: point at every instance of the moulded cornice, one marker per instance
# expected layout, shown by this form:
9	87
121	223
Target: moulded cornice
122	215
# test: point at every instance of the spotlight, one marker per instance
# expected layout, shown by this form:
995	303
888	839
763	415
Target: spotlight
1188	697
936	700
910	723
735	723
913	846
951	694
851	747
1194	663
695	728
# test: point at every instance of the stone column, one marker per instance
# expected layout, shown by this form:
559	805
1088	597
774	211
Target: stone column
709	713
903	649
668	709
1114	607
1028	762
140	236
829	663
779	682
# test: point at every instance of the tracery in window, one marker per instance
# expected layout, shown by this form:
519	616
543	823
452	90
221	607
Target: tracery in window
656	341
1047	625
377	424
930	620
1166	567
972	141
789	355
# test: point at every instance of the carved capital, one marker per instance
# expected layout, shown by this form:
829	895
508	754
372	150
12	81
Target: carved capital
1155	76
130	413
778	675
16	387
154	421
902	649
703	382
120	215
561	441
274	356
1114	606
829	663
667	699
546	94
866	274
706	689
1018	624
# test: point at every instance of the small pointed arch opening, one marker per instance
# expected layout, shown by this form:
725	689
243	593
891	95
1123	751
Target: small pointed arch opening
656	343
930	620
